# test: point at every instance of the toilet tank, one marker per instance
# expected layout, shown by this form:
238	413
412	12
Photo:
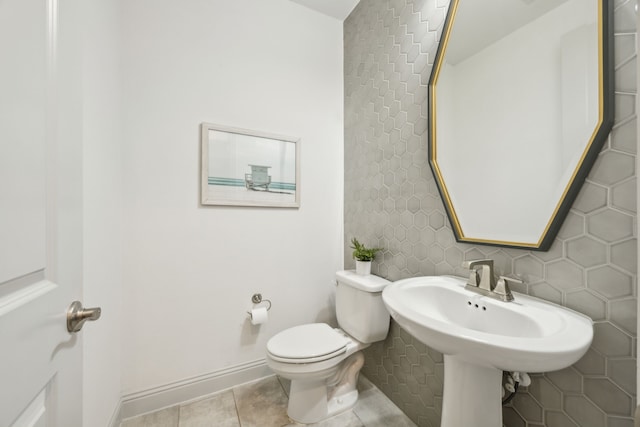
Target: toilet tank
359	307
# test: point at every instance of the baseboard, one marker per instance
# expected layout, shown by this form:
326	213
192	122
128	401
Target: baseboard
167	395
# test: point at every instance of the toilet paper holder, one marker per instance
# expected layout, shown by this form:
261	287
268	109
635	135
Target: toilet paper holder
257	299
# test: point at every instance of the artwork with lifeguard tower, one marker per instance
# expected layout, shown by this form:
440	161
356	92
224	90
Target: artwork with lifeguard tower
249	168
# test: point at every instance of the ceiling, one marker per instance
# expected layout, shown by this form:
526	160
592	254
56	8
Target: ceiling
338	9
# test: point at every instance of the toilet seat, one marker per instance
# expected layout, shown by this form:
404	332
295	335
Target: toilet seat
309	343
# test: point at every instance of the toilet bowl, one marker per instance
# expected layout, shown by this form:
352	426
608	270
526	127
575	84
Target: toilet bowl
322	362
323	365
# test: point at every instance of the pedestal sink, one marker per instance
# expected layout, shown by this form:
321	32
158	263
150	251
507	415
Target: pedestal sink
480	337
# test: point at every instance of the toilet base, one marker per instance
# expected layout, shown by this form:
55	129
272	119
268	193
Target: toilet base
342	403
314	401
308	404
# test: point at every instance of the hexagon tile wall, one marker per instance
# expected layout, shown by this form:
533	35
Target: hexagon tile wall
391	201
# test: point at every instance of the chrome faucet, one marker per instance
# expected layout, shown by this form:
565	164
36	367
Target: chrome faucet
483	281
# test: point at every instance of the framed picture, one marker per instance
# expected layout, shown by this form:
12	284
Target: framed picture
249	168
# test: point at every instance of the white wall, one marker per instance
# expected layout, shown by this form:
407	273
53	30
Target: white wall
102	182
190	271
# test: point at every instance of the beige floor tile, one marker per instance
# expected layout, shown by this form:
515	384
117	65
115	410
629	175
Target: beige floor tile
164	418
217	411
345	419
376	410
262	403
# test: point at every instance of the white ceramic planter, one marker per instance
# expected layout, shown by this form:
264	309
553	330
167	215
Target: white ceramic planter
363	268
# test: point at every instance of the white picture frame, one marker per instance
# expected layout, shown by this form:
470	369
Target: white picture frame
241	167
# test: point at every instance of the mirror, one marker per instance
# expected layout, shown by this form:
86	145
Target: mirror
520	104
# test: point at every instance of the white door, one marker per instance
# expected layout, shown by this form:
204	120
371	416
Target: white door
40	212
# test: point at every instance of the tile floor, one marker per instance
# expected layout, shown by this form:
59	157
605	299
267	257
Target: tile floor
264	404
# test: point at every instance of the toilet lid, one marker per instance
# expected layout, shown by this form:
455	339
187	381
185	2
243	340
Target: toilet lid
307	341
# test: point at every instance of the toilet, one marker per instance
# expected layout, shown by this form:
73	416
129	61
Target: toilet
323	363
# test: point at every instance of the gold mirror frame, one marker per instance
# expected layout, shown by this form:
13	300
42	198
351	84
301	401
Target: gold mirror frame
588	158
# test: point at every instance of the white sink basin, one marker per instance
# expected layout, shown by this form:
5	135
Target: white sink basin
527	334
480	337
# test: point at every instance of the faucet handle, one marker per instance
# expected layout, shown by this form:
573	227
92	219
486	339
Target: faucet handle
512	280
502	287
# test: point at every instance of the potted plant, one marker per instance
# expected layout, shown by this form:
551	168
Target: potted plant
363	256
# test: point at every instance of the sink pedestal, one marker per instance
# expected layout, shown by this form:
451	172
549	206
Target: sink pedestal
472	394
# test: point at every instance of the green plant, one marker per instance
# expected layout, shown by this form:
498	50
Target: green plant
361	252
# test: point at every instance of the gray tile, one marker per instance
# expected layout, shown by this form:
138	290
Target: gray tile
608	396
567	380
586	251
620	422
558	419
554	253
591	197
624	196
529	269
609	282
592	363
624	106
625	77
564	275
573	226
624	47
611	341
375	410
623	373
585	413
624	17
262	403
219	411
545	393
610	225
587	303
591	266
511	418
164	418
624	255
624	314
546	292
623	136
612	167
527	407
345	419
